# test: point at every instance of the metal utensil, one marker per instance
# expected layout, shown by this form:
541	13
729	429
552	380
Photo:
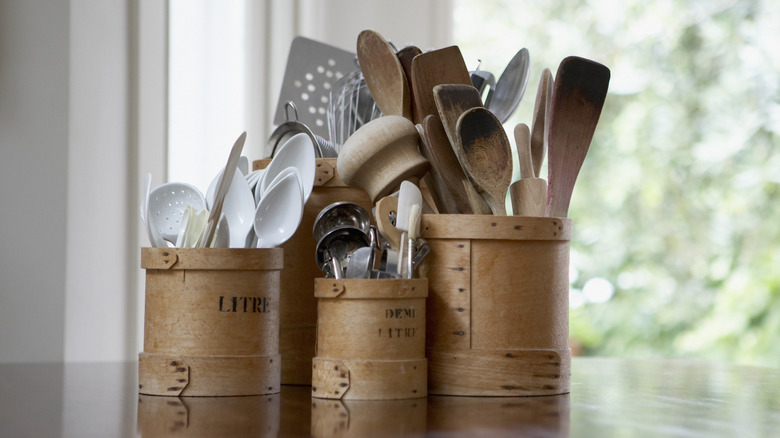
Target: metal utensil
510	86
578	97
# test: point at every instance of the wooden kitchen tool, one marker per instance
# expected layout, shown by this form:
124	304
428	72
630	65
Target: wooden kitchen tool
382	211
380	155
485	155
438	150
529	194
498	305
578	96
384	74
541	121
452	100
442	66
370	339
405	56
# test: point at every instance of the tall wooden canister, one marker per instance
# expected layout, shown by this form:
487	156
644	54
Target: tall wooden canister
497	321
370	339
211	322
298	307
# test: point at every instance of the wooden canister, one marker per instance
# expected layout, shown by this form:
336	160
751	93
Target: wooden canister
298	311
370	339
211	322
498	304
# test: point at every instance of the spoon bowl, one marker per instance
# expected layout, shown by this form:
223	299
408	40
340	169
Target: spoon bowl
279	212
296	152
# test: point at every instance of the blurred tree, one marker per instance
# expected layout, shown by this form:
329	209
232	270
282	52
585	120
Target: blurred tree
676	206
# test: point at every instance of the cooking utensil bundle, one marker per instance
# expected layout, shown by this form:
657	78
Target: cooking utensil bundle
241	209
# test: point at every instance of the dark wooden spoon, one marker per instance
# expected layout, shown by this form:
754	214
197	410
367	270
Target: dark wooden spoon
578	97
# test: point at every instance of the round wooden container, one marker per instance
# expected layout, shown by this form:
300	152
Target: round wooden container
298	307
211	322
498	304
370	339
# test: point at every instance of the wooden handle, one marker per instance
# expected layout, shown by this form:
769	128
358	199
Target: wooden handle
389	232
529	197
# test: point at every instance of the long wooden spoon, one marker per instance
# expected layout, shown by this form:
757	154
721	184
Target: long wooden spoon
405	56
529	193
437	149
539	128
452	100
485	155
442	66
578	97
384	74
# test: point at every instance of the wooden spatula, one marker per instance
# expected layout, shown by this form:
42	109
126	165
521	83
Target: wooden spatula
384	74
578	97
442	66
529	194
485	155
541	121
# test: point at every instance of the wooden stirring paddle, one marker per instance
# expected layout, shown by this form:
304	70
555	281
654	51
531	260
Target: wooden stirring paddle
384	75
578	97
540	124
405	56
529	193
437	149
442	66
485	155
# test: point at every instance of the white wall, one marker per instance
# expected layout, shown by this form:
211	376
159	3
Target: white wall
33	178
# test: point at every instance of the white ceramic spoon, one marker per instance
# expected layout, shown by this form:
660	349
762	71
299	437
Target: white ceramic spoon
166	207
296	152
279	212
239	207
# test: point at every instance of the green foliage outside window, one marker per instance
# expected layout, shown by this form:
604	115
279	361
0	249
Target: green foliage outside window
676	211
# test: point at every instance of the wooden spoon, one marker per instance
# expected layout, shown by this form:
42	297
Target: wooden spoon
405	56
452	100
539	128
529	194
450	177
384	74
443	66
578	97
485	154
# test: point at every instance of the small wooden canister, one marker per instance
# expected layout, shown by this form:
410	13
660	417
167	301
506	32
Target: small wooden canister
298	307
211	322
498	305
370	339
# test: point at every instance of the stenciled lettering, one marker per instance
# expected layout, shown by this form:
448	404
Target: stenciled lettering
400	313
244	304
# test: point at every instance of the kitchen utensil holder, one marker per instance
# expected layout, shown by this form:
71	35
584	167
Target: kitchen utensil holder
298	307
370	339
498	304
211	322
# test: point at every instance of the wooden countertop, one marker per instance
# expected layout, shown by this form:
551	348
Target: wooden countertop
609	397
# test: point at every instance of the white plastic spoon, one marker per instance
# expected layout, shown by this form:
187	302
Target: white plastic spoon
279	213
289	170
239	207
297	152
